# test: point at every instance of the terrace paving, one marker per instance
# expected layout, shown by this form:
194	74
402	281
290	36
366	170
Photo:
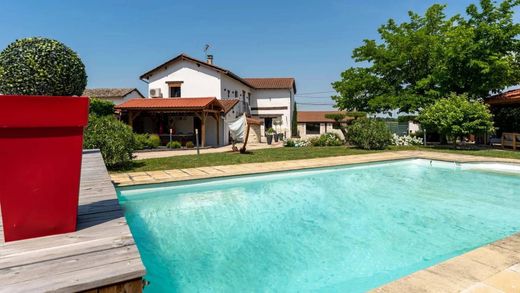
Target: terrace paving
491	268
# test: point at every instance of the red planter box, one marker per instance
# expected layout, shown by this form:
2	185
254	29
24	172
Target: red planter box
41	141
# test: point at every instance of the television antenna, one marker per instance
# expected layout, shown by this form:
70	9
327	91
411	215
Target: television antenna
206	48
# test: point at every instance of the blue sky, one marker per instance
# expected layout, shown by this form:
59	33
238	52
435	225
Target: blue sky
119	40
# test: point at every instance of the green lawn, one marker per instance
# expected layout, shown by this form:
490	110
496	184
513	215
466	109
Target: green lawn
281	154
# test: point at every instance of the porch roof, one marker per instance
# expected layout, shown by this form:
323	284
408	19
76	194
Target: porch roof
511	97
173	104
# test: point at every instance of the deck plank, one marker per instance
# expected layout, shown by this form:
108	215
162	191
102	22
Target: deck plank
101	252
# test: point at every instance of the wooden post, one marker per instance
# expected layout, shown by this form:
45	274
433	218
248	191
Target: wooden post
243	148
203	128
217	119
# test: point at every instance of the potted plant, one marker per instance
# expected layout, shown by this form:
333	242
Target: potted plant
280	136
41	137
275	136
269	135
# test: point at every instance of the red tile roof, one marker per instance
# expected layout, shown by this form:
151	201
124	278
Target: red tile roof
228	104
168	103
272	83
505	98
318	116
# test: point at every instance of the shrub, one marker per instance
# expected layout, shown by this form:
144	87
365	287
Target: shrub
154	141
327	139
456	116
114	138
271	131
174	145
297	143
290	143
406	140
369	134
101	107
40	66
190	144
146	141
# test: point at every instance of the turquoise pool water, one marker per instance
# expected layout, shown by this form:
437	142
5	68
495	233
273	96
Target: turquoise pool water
346	229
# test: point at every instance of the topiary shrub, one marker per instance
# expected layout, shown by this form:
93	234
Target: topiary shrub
114	138
174	145
369	134
40	66
190	144
100	107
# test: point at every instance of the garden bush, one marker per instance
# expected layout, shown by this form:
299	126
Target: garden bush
326	139
40	66
406	140
114	138
154	141
174	145
101	107
296	143
369	134
190	145
146	141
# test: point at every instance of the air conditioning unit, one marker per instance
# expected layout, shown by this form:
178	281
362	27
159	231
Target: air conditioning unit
155	93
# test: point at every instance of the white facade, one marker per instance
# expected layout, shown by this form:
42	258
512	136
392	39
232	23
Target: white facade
274	104
119	100
198	79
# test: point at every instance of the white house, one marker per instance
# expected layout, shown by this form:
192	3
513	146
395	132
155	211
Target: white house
115	95
185	81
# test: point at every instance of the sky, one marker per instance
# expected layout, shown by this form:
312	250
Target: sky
118	40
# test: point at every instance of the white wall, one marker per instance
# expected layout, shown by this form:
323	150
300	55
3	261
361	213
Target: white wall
233	85
274	98
324	128
198	81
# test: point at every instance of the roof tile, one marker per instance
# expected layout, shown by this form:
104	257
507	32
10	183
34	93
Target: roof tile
167	103
271	83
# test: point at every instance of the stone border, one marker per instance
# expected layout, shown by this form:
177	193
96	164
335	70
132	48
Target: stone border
491	268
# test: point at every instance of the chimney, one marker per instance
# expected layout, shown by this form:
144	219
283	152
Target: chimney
210	59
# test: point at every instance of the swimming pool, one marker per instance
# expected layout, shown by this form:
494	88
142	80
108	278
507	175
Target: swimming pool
346	229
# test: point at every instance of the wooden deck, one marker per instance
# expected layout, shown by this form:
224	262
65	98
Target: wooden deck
101	252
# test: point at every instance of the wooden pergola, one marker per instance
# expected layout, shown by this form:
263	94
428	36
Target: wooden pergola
199	107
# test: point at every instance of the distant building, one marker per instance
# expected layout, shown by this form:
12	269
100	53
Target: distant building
314	123
115	95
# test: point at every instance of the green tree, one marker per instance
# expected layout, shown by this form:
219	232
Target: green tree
294	122
430	56
101	107
456	117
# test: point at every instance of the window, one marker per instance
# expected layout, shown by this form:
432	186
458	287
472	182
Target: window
312	128
175	88
175	92
228	93
236	94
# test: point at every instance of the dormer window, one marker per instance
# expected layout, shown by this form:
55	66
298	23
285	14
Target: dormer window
174	88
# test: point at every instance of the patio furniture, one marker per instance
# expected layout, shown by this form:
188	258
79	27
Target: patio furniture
511	139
